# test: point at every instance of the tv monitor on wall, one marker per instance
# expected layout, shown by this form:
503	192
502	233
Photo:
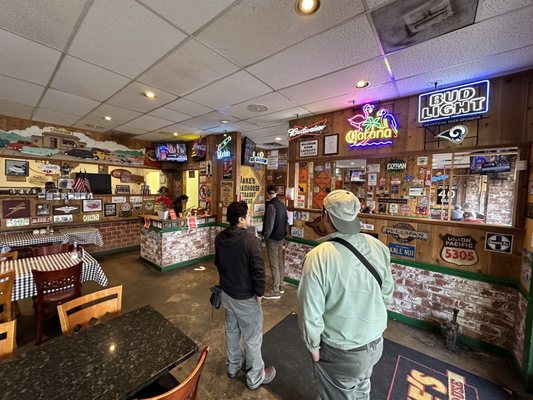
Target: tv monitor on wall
171	152
490	164
248	148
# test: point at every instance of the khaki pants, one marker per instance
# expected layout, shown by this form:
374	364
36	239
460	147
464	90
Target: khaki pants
277	263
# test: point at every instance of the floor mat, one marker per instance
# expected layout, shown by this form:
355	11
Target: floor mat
400	371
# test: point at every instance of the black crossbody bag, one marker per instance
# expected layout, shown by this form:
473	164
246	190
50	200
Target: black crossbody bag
365	262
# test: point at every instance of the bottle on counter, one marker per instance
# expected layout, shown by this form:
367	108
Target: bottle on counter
74	250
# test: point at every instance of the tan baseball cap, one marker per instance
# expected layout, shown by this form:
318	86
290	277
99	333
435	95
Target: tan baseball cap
343	207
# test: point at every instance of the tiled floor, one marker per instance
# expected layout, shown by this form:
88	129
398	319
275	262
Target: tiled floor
182	296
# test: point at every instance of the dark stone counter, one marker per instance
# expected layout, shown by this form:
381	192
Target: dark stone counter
112	360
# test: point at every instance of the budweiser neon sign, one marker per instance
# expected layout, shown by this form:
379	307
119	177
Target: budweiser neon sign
372	129
311	130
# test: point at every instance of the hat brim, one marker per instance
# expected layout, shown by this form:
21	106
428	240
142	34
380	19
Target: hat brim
350	227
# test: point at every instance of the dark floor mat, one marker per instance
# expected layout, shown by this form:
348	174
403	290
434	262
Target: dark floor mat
400	369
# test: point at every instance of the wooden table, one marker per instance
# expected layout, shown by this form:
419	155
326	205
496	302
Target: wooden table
113	360
24	286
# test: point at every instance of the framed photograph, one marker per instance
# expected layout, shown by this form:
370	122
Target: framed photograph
65	183
42	209
309	148
92	205
17	168
331	144
122	189
110	209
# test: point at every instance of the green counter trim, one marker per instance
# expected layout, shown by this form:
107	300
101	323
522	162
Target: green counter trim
292	281
466	340
177	265
105	253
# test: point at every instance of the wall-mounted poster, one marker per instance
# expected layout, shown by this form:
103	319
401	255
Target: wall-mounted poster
110	209
309	148
331	144
16	209
227	167
226	193
17	168
92	205
122	189
42	209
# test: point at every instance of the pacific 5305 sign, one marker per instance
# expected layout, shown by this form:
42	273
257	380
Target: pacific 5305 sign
459	250
455	103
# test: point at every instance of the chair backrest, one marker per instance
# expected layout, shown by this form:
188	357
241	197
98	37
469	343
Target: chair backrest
186	390
7	281
8	343
48	282
51	249
10	255
90	309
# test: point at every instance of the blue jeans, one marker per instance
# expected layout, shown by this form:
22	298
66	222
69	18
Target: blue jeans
345	374
244	319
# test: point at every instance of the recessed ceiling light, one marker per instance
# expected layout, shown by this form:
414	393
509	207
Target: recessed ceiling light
257	107
108	118
307	7
278	138
150	94
224	121
352	163
361	84
175	134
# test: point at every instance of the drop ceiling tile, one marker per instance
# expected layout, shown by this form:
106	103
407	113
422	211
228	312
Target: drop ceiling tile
18	91
27	60
234	89
54	117
491	8
132	97
188	107
280	116
266	27
49	22
345	45
185	14
154	137
202	122
368	95
491	66
187	68
338	83
373	4
476	41
124	37
274	101
170	115
16	110
129	129
97	83
232	127
120	115
148	123
181	128
68	103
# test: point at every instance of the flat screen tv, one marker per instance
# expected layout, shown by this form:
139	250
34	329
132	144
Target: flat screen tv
490	164
171	152
248	148
100	183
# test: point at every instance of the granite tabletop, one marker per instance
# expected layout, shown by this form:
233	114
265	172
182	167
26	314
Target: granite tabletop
112	360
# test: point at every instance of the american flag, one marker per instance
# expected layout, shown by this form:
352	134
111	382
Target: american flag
81	184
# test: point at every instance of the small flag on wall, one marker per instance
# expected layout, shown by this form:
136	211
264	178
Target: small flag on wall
81	183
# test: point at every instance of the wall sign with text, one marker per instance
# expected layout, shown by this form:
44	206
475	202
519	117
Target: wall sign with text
454	104
459	250
372	128
311	130
309	148
499	242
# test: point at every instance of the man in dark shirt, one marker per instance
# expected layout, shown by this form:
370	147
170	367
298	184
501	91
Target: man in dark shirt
274	231
239	260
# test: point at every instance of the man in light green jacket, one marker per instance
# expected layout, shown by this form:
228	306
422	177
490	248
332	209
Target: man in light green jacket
342	306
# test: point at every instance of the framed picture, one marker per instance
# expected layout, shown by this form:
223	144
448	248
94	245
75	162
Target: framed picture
110	209
17	168
65	183
309	148
92	205
122	189
42	209
331	144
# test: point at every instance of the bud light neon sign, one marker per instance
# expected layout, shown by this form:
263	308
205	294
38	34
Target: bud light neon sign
454	104
372	129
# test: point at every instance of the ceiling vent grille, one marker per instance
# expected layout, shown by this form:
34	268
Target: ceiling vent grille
273	144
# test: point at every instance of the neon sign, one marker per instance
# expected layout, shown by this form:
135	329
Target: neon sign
454	103
258	158
222	151
311	130
372	130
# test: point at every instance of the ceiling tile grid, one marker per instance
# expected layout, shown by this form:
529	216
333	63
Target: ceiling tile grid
188	107
16	110
274	100
132	97
69	103
17	91
56	117
119	115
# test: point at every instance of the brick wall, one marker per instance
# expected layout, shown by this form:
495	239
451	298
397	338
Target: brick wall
294	256
115	235
500	201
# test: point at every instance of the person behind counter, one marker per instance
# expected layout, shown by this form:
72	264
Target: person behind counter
457	213
369	209
179	204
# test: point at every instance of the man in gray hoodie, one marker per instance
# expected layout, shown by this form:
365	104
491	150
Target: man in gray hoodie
239	260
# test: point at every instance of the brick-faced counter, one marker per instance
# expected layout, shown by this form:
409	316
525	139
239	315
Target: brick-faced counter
168	244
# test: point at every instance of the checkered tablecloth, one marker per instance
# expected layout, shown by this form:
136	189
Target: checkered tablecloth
24	286
83	235
28	238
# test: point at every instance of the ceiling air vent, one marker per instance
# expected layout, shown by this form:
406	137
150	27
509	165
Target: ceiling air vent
273	144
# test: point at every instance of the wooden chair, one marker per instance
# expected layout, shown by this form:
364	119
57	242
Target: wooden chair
7	281
7	344
10	255
54	288
99	306
51	249
188	389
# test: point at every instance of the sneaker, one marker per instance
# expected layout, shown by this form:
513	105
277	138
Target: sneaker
236	373
271	296
269	375
282	290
